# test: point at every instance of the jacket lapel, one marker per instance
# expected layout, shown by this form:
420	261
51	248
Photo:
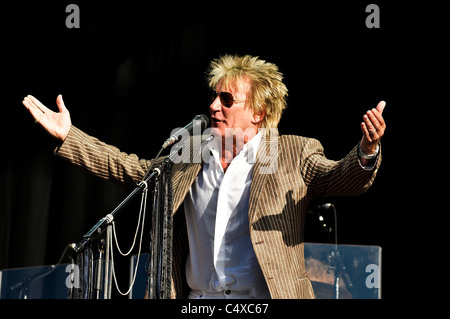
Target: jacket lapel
182	179
266	165
185	172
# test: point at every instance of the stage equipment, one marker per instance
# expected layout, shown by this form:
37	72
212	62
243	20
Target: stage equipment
96	276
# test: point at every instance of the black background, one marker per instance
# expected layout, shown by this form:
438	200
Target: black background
132	72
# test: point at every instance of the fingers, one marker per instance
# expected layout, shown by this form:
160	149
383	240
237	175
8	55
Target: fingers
39	111
373	128
373	125
368	130
38	104
376	121
36	110
365	132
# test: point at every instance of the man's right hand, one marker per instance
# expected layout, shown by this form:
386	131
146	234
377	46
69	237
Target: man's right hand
56	124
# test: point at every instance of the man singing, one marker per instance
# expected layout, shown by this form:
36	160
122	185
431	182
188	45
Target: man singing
239	216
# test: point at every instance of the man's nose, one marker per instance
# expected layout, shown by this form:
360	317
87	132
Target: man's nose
216	105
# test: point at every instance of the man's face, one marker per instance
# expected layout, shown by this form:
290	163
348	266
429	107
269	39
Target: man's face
238	116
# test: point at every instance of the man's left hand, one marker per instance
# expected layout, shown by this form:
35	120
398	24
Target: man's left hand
373	127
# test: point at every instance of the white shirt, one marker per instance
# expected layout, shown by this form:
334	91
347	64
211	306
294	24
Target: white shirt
221	261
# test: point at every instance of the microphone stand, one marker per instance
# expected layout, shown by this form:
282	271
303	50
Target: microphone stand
335	260
105	224
99	228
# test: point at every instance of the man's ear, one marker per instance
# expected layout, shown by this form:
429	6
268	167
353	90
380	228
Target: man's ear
257	118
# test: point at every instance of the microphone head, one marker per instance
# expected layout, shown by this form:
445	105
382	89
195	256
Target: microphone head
204	120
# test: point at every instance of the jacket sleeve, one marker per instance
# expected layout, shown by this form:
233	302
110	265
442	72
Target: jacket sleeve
101	159
325	177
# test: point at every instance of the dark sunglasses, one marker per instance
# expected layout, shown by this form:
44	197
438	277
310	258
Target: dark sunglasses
226	98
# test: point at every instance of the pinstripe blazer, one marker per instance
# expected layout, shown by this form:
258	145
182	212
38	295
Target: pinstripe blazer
285	178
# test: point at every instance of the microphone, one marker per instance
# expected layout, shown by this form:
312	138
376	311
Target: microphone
319	208
201	120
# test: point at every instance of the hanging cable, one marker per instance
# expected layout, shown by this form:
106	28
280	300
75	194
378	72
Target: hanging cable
137	227
142	211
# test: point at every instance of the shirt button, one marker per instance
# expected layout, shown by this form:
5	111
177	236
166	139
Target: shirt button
227	292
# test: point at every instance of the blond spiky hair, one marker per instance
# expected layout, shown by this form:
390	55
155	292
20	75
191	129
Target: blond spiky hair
267	90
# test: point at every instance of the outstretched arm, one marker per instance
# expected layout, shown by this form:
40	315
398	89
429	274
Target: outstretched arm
99	158
56	124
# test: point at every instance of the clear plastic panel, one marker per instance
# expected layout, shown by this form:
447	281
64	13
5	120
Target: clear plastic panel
46	282
359	269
